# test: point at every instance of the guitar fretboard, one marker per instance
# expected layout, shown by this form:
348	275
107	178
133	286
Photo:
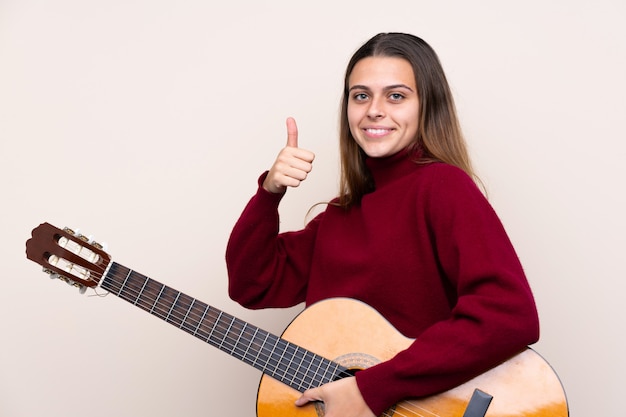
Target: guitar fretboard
274	356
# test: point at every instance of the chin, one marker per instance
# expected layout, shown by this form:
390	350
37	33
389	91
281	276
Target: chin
378	153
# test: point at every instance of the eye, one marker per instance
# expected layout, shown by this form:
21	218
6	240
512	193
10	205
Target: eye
360	97
396	96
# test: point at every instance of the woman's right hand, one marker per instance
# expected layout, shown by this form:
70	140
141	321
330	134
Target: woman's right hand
292	164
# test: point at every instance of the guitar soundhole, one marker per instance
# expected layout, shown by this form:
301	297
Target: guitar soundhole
356	362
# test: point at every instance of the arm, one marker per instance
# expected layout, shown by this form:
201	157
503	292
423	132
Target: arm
265	268
492	310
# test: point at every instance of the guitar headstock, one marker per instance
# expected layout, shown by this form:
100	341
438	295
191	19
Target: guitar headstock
67	255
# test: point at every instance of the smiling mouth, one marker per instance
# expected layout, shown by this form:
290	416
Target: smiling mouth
377	132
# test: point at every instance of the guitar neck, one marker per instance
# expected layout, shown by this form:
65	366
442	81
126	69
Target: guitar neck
274	356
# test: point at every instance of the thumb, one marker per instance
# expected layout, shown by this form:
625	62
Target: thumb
308	396
292	132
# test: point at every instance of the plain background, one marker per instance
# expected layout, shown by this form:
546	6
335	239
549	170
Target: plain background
146	124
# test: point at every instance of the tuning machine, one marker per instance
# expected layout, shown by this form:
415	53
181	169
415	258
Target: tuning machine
86	239
54	275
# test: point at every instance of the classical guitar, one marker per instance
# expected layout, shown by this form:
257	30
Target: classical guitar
523	386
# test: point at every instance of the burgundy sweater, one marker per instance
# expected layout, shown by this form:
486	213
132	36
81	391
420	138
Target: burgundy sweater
425	249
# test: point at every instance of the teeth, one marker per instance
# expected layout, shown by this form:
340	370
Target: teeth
377	131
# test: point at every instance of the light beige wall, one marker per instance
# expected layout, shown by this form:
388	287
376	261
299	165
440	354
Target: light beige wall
146	124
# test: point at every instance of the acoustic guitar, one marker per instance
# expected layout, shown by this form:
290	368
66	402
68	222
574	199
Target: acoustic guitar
307	355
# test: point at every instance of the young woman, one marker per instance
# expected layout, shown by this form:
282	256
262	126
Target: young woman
410	234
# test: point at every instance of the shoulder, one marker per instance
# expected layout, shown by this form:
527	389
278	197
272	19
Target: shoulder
448	191
442	177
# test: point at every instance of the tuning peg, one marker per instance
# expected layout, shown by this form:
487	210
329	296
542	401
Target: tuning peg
54	275
89	239
81	287
97	245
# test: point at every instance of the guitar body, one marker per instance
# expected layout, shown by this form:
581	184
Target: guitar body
356	336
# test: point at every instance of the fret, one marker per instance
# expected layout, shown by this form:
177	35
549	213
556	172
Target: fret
238	345
195	333
149	297
280	360
191	321
268	354
256	330
331	375
271	355
258	346
172	307
308	375
258	354
306	372
119	292
180	307
228	344
208	339
294	351
226	333
186	304
165	303
157	299
289	360
314	373
324	375
238	339
128	289
108	283
246	341
141	291
213	318
188	310
249	342
296	367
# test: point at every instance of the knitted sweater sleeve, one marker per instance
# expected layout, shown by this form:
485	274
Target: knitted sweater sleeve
493	314
265	268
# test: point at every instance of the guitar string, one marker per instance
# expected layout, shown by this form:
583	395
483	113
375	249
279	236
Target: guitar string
159	310
217	324
399	410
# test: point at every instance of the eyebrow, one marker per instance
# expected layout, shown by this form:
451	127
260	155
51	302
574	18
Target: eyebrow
389	87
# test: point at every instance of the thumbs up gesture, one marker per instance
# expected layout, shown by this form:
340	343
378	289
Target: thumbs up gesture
292	164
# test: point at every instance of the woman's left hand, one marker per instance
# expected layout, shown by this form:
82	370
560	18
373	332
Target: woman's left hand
341	398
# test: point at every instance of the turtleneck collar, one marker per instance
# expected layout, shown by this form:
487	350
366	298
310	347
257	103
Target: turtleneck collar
390	168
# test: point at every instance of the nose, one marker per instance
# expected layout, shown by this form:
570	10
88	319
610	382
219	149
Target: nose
376	109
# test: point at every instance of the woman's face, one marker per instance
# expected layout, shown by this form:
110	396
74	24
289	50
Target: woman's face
383	106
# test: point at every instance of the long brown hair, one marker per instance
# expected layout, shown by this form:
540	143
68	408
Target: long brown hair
439	136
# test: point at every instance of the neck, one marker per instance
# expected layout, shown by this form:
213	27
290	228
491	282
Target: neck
387	169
